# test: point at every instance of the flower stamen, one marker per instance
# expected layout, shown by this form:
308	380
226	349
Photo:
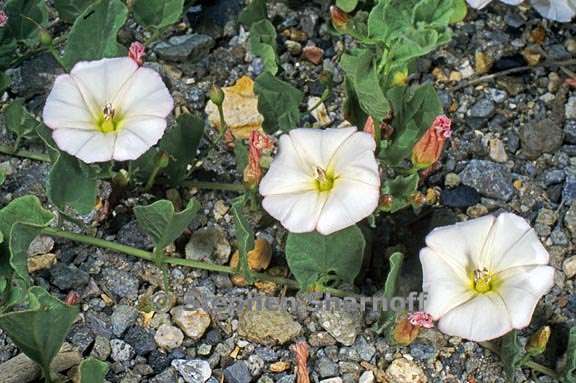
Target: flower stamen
482	280
324	181
109	121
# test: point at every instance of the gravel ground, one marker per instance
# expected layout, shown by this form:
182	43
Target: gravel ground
513	148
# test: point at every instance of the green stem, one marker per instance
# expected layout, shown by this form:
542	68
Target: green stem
5	149
325	95
223	125
152	178
215	186
57	57
146	255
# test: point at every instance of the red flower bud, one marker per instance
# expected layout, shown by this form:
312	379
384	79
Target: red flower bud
3	18
339	18
258	144
369	127
136	52
429	149
72	298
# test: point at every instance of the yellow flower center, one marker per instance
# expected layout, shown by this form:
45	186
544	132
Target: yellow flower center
482	281
110	120
324	180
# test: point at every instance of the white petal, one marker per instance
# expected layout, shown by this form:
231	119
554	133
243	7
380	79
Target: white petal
521	289
512	2
478	4
480	319
355	159
145	94
316	147
65	106
446	287
558	10
137	135
89	146
100	81
462	243
287	173
349	202
297	212
512	242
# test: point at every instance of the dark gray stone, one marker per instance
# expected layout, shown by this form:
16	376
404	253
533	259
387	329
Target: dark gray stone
123	317
68	277
99	323
142	340
237	373
34	76
131	235
185	48
540	137
569	191
460	197
121	283
570	131
482	109
326	368
553	177
422	351
489	179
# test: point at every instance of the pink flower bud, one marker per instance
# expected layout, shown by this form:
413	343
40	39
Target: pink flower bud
72	298
3	18
137	52
421	319
257	144
369	127
429	149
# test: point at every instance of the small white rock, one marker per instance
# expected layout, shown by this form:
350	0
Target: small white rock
193	371
168	337
366	377
570	267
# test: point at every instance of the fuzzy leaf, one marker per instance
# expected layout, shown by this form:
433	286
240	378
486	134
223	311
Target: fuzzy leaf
4	81
254	12
69	10
511	353
157	13
181	143
24	16
400	188
93	370
18	120
313	256
162	223
347	5
278	102
94	33
388	318
569	373
460	11
40	330
244	235
263	44
362	74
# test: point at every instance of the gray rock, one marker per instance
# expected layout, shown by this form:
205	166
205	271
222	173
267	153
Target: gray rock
540	137
131	235
194	323
121	351
569	191
67	277
193	371
344	326
490	179
287	379
268	327
168	337
209	244
237	373
570	131
34	76
570	219
553	177
364	349
123	317
101	349
141	339
168	376
99	323
367	377
571	108
422	351
482	109
326	368
186	47
121	283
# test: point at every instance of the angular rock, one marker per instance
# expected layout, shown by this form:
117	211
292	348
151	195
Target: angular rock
404	371
168	337
35	76
482	109
460	197
268	327
121	351
141	339
344	326
237	373
186	47
540	137
209	244
193	371
67	277
121	283
123	317
569	267
489	179
194	323
570	219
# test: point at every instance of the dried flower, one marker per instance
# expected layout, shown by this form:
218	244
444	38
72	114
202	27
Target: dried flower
339	18
421	319
429	148
136	52
3	18
258	144
537	343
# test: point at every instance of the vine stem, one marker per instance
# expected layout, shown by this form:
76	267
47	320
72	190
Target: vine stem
148	256
5	149
215	186
529	363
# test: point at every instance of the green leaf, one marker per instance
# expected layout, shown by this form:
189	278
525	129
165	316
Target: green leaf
162	223
93	370
181	143
388	318
40	330
157	13
400	188
69	10
20	222
347	5
313	256
363	76
568	374
24	16
2	180
511	353
94	33
460	11
254	12
414	111
244	235
433	13
263	44
4	81
278	102
19	121
240	155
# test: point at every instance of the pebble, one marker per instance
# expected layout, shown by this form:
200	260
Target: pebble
123	317
194	323
40	245
367	377
570	219
141	339
342	325
184	47
497	151
237	373
571	108
294	47
193	371
313	54
121	283
67	277
554	177
489	179
547	217
168	337
570	131
121	351
482	109
422	351
332	380
404	371
460	197
326	368
569	191
365	350
209	244
268	327
451	180
101	349
540	137
569	267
